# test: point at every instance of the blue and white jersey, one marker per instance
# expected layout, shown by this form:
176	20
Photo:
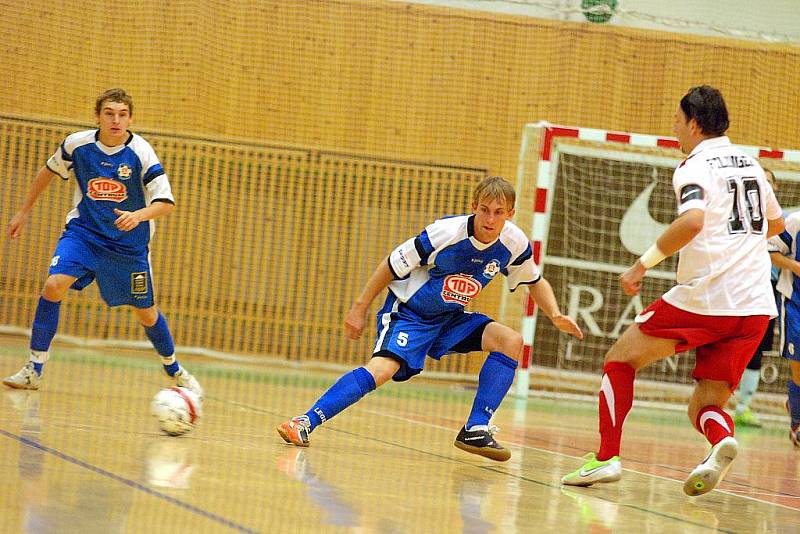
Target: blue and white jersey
443	268
127	177
786	244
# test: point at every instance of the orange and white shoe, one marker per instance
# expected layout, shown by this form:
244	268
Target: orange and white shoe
295	431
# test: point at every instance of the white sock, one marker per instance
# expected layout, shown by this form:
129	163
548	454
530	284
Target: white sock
38	356
747	388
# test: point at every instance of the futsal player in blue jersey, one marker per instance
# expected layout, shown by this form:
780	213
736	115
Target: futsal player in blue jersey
785	254
120	188
430	278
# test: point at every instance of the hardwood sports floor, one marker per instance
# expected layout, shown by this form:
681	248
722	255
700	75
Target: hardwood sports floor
84	455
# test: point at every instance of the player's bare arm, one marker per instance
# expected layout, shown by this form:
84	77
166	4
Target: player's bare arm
675	237
356	317
128	220
775	226
542	293
40	183
785	262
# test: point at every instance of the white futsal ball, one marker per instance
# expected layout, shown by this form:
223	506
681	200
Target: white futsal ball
177	410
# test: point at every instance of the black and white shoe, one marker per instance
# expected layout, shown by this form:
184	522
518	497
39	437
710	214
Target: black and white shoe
482	442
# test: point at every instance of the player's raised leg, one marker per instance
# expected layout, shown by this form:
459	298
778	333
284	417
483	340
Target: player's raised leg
157	330
706	413
494	381
43	330
345	392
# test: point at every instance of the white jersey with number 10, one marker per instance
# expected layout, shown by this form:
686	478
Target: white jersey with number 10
725	269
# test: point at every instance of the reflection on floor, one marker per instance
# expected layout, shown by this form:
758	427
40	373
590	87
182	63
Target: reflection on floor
84	455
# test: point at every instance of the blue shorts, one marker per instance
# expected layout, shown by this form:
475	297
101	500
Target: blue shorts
409	338
122	278
791	330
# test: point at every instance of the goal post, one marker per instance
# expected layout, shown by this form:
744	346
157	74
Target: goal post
600	199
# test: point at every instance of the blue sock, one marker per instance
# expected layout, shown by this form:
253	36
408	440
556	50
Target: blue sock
494	380
161	339
794	403
346	391
43	330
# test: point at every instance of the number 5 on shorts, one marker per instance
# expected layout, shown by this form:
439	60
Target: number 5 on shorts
402	339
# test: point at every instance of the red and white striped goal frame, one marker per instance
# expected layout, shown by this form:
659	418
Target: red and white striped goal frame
543	198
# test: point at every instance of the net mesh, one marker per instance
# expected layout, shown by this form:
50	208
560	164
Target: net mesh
322	133
588	245
303	140
263	245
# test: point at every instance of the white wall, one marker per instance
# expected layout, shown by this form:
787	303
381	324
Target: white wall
768	20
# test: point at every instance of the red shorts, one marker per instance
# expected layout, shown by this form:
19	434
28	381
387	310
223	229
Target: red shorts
724	343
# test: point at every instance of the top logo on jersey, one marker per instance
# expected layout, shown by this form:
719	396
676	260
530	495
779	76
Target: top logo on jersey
124	171
460	288
491	269
106	189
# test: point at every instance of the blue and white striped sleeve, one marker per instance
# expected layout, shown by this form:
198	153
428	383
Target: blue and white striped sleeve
154	178
522	270
419	251
60	162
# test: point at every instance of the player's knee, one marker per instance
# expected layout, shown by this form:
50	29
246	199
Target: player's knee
382	369
54	290
503	339
147	316
514	344
624	354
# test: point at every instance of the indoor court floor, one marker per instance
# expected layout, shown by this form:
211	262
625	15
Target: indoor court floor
84	454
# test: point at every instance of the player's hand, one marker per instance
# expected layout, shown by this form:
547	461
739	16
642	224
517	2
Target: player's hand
631	280
16	224
127	220
354	321
567	324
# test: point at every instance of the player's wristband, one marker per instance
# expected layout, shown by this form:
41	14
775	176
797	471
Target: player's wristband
652	257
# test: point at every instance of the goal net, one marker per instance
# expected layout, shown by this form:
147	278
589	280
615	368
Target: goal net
602	198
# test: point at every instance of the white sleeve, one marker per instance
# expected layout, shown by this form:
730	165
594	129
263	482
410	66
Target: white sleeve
61	161
154	178
690	183
773	209
159	189
422	249
404	259
522	270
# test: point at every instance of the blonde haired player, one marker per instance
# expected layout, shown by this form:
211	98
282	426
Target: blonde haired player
430	278
721	304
